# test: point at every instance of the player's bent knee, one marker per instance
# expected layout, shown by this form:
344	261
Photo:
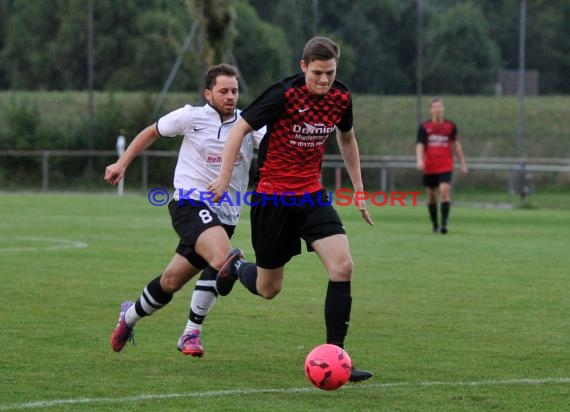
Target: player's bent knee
269	293
217	261
342	271
170	286
171	283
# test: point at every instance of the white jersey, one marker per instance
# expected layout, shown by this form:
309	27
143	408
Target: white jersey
200	157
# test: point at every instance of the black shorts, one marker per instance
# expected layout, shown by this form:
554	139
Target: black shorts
278	227
435	179
190	221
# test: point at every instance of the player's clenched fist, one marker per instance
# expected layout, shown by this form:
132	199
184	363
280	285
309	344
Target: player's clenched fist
114	173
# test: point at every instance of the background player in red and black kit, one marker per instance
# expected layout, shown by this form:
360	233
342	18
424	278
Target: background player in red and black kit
434	157
300	113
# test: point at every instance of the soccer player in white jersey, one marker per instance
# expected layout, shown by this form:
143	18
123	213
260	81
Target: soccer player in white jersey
204	229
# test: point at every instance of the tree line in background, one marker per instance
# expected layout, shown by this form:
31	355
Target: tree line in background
43	44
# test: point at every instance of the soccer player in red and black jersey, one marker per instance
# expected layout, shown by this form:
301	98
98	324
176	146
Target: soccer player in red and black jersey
437	139
290	204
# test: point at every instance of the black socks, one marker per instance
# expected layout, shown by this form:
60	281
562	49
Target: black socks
247	274
432	207
338	304
445	206
152	298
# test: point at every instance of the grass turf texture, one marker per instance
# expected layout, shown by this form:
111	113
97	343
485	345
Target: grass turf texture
463	314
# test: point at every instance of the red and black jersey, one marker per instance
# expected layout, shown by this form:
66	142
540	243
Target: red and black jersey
298	126
437	138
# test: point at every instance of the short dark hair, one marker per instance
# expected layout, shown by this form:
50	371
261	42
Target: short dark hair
320	48
222	69
436	100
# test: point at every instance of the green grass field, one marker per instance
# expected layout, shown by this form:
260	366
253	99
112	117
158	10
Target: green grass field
476	320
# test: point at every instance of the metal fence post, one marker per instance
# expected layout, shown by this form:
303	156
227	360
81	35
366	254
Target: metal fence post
144	172
120	146
45	170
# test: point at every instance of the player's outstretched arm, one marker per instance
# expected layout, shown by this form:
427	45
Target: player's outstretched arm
233	143
115	172
349	150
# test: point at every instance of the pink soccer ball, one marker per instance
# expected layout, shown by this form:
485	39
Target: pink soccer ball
328	367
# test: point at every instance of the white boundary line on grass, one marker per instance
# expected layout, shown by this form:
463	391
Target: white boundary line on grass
51	244
231	392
